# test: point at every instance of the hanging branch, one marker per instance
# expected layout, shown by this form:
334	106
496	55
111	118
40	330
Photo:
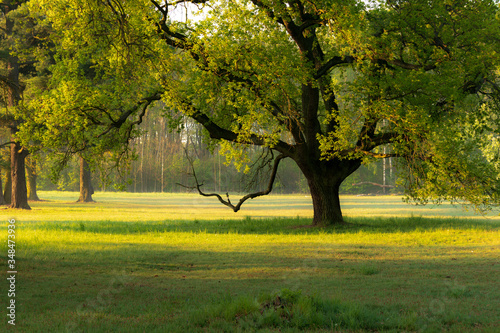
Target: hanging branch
262	165
227	202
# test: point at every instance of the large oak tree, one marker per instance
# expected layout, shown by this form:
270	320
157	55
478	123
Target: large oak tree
328	84
11	101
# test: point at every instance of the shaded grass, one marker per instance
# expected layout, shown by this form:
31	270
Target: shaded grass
94	273
291	310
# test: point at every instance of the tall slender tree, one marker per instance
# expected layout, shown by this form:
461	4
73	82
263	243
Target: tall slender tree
13	88
2	199
86	188
31	177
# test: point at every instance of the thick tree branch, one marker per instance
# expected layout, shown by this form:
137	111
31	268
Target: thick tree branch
174	39
382	139
145	102
6	144
305	44
293	125
217	132
178	40
335	61
270	13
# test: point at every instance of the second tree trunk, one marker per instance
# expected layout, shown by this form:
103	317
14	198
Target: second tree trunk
86	189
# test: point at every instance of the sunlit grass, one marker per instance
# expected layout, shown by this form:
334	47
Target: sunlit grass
154	262
143	207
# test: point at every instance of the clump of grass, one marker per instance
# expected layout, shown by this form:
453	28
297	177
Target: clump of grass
369	269
292	310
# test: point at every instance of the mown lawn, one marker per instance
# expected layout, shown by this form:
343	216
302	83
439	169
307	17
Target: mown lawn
181	263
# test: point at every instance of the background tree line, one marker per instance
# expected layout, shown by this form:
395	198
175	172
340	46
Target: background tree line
162	165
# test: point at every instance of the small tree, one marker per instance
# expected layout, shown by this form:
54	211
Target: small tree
13	89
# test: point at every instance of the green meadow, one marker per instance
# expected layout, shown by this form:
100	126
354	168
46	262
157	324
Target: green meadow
183	263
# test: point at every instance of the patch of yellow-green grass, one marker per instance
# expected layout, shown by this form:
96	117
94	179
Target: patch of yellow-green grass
143	207
135	263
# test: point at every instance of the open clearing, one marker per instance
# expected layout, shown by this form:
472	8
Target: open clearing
183	263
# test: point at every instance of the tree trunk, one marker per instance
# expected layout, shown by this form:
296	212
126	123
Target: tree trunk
19	190
86	189
324	179
2	199
17	152
7	194
31	180
326	202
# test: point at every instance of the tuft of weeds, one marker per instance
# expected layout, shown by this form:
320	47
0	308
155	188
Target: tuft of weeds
369	269
288	309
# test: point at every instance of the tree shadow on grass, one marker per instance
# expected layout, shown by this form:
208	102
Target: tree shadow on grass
150	277
277	226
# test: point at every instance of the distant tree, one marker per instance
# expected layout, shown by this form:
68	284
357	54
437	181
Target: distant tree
86	188
31	175
4	169
326	84
2	199
7	193
13	89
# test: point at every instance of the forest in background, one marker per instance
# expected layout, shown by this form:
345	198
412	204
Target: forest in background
162	165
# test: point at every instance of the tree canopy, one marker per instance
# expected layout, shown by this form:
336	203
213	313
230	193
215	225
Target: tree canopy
329	84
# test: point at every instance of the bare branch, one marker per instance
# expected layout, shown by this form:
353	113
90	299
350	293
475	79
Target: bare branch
227	202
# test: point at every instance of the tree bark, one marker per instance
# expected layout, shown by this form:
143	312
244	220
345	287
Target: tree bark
19	190
2	199
7	194
17	152
31	180
324	179
326	203
86	188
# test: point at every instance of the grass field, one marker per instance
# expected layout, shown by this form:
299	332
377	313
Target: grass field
182	263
